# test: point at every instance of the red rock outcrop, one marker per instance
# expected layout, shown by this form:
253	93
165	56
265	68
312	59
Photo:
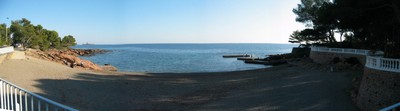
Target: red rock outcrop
68	57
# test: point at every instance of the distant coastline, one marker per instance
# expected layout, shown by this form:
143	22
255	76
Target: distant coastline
87	43
178	43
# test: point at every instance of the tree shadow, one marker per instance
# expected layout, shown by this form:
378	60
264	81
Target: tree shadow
212	91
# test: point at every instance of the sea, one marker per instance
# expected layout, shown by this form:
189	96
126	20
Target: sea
182	58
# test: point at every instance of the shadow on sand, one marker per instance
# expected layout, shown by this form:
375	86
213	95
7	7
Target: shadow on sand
291	89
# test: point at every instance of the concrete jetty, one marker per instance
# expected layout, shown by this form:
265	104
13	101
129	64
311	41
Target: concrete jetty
236	55
250	58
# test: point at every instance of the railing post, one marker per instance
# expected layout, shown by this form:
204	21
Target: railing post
1	95
11	105
17	108
378	63
7	97
368	61
15	98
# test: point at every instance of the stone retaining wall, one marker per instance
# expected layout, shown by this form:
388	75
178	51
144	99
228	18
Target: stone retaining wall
379	89
327	57
301	52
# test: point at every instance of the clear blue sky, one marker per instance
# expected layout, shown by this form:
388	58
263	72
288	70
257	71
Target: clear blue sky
160	21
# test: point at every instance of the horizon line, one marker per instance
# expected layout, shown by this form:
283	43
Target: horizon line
174	43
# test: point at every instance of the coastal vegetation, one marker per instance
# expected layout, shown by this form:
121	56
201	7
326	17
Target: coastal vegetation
24	33
364	24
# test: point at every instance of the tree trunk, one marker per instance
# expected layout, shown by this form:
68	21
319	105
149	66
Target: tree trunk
331	36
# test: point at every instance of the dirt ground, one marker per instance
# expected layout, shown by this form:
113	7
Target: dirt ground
286	87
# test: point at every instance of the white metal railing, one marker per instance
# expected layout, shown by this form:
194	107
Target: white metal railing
380	63
14	98
374	62
343	50
5	50
391	108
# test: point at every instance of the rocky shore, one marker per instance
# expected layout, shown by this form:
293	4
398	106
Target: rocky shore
86	52
71	58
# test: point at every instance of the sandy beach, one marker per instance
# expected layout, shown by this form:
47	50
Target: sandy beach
285	87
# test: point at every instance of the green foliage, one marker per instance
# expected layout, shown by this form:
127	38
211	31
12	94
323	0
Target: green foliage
307	11
24	32
306	36
68	41
370	24
52	37
4	40
31	36
336	60
296	37
312	14
352	61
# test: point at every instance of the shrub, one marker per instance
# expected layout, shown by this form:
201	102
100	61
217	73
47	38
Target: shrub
352	61
336	60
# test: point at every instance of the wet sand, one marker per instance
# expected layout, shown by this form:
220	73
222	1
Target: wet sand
286	87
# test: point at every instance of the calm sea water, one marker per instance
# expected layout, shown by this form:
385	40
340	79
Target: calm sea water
180	58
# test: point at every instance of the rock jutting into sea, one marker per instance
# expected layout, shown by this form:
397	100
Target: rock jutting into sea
109	67
85	52
70	58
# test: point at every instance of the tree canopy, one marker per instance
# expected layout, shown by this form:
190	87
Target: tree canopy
34	36
4	40
68	41
366	24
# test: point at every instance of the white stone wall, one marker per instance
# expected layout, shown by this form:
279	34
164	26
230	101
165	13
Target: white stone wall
5	50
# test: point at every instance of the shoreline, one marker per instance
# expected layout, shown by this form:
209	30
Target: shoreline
245	70
273	88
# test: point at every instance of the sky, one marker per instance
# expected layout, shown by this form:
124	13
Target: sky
160	21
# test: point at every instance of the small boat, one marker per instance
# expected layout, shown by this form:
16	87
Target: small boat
236	55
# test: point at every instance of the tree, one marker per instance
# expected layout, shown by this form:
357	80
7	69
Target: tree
314	13
296	38
68	41
23	32
307	11
307	36
4	40
52	37
37	37
370	24
39	40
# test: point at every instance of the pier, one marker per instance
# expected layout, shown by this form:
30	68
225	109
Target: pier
236	55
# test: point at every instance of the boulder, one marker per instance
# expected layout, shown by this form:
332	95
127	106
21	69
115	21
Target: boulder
108	67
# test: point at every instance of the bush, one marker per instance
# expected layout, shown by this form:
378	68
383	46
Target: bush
275	57
336	60
352	61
